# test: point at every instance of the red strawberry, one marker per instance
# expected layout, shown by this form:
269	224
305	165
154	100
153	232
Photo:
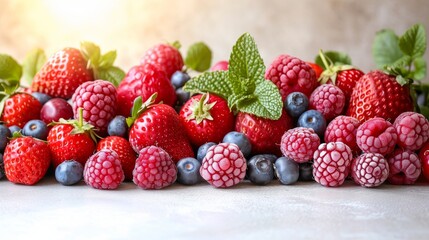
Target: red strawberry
317	69
378	94
158	125
165	56
264	134
62	74
206	118
144	81
125	152
20	108
26	160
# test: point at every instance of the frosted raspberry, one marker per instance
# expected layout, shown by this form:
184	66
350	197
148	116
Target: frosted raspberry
376	136
370	169
154	169
291	74
412	129
299	144
343	129
224	165
103	170
166	57
404	167
331	163
329	100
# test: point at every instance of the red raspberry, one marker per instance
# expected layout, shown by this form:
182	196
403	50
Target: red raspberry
404	167
154	169
343	129
98	100
376	136
331	163
329	100
370	169
220	66
299	144
412	129
103	170
166	57
224	165
291	74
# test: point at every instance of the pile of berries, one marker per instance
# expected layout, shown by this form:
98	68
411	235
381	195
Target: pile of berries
148	130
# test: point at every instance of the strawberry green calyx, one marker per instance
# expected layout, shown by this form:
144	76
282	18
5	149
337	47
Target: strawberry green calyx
200	109
79	126
139	107
331	69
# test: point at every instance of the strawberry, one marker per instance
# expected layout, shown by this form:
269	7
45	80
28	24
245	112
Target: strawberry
165	57
20	108
144	81
26	160
378	94
71	140
264	134
158	125
206	118
317	69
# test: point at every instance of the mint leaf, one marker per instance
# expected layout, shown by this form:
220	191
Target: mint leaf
33	62
10	70
420	69
413	42
214	82
337	58
385	48
198	57
112	74
108	59
91	52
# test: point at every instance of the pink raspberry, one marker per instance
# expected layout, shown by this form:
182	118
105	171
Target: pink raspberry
103	170
220	66
299	144
98	101
412	129
165	56
343	129
331	163
291	74
329	100
224	165
370	169
404	167
376	136
154	169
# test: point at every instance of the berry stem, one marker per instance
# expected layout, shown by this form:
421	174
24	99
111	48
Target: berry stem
80	122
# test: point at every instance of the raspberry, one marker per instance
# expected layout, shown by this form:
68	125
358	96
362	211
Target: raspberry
299	144
404	167
376	136
98	101
224	165
103	170
166	57
331	163
154	169
291	74
412	129
370	169
329	100
343	129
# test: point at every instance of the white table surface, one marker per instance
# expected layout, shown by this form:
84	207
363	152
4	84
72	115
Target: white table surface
305	210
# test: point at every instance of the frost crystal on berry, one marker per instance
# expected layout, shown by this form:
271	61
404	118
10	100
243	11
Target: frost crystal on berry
370	169
299	144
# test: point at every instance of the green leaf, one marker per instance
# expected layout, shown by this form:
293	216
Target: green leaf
108	59
413	42
425	111
198	57
217	82
112	74
385	48
420	69
176	44
337	58
91	52
9	68
33	62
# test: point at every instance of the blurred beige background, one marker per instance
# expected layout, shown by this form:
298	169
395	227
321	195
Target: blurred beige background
299	28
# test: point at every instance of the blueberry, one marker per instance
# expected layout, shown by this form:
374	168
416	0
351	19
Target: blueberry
1	166
182	96
295	104
4	135
35	128
260	169
421	100
41	97
202	150
188	171
313	119
241	140
306	171
287	170
14	129
118	127
69	172
179	78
